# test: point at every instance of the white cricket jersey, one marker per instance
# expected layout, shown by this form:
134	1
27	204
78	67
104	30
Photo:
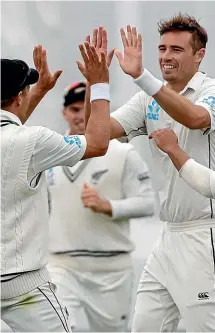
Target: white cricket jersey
25	153
122	178
142	115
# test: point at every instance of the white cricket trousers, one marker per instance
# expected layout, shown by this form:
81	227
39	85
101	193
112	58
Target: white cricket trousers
36	311
104	296
178	280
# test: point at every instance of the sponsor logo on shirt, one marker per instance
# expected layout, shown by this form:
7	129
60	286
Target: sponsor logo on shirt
97	176
210	100
154	109
204	295
73	139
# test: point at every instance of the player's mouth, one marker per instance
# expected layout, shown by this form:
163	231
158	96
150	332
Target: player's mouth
168	67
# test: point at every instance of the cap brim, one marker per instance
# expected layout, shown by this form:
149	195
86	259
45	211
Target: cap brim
33	77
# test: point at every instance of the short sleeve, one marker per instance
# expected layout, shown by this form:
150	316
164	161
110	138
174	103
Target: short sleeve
131	116
53	149
207	101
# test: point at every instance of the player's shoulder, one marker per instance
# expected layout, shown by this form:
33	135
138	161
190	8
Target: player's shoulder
208	82
120	144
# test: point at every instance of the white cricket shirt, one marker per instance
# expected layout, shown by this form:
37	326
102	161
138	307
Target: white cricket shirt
142	115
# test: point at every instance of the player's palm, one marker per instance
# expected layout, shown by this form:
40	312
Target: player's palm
131	61
47	80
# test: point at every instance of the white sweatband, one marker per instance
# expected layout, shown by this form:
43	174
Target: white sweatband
150	84
100	91
198	177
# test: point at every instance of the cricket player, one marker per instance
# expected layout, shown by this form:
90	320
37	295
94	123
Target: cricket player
197	176
178	278
28	300
91	204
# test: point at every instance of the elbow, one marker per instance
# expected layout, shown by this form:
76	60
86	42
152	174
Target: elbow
198	121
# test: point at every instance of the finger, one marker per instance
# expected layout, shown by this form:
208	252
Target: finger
80	67
134	36
87	39
130	42
139	42
103	60
124	38
83	53
39	56
89	51
95	34
35	57
94	53
99	38
119	55
110	57
104	40
44	64
57	74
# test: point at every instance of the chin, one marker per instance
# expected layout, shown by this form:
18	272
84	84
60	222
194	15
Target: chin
169	77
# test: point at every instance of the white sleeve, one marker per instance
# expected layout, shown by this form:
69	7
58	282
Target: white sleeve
131	116
137	190
207	101
200	178
53	149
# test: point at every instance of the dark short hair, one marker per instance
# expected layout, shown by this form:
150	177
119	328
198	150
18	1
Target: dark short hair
187	23
15	77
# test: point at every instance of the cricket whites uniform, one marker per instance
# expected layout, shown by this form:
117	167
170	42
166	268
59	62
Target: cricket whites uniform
28	300
91	252
179	276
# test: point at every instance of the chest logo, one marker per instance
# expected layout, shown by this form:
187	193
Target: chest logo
154	111
97	176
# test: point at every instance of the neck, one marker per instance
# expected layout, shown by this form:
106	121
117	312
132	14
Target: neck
179	85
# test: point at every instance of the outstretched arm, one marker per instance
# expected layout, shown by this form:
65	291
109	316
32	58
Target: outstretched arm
197	176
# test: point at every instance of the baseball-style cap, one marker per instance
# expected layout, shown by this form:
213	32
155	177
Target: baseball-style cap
74	93
15	76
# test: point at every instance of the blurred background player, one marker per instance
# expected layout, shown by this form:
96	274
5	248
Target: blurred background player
90	243
28	300
197	176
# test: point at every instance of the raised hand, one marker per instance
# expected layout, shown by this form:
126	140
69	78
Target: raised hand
95	68
100	42
131	62
47	80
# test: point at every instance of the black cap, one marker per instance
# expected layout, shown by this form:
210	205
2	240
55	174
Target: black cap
15	76
74	93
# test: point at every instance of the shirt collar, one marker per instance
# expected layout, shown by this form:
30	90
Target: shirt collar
5	115
194	83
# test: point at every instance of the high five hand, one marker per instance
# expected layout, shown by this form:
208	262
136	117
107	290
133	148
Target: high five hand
131	62
100	42
47	80
95	68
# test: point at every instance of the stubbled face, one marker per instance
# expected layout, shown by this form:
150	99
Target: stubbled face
74	115
177	60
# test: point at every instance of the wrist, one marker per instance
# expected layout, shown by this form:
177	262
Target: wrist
150	84
106	207
100	91
138	74
172	149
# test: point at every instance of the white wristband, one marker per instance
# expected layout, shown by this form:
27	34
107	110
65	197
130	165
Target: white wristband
148	83
99	91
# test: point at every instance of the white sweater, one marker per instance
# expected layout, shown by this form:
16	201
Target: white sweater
24	204
78	231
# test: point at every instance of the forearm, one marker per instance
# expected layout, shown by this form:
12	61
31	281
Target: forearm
178	156
199	178
182	110
98	128
36	95
134	207
177	106
87	104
